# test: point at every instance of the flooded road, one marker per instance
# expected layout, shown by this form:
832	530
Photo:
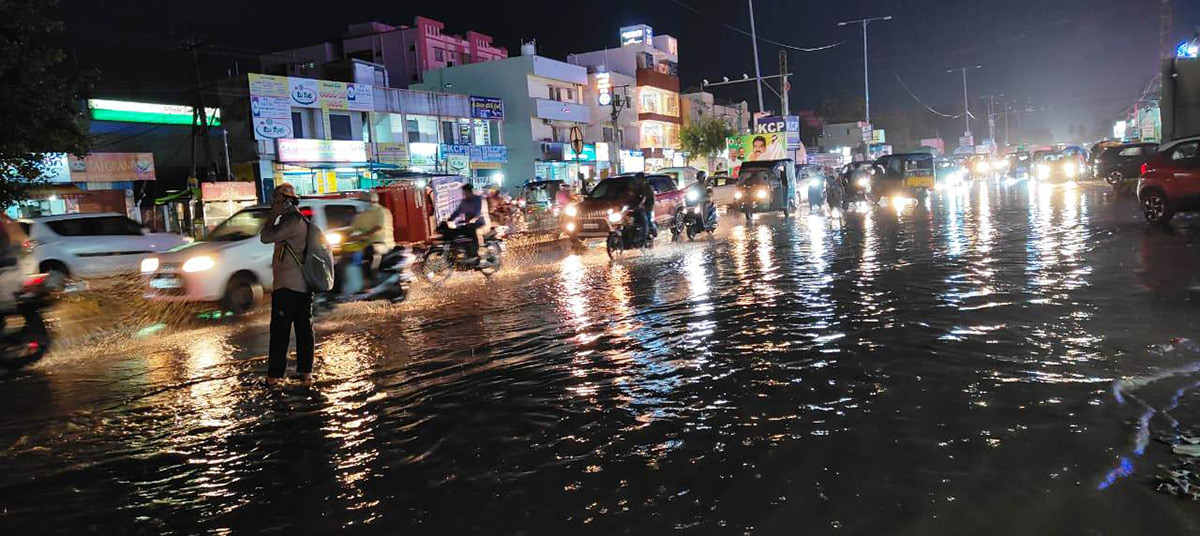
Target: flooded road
977	363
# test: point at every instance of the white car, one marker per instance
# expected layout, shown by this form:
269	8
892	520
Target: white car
92	245
230	265
724	190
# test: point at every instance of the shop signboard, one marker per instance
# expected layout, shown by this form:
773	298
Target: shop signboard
360	97
447	149
458	163
394	153
304	93
489	154
112	167
602	152
228	191
271	117
756	147
487	107
588	154
447	194
265	85
780	124
632	161
423	154
148	112
332	95
333	151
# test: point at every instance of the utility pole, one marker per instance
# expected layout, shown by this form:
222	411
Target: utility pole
757	69
966	99
619	103
1166	23
784	84
992	115
866	73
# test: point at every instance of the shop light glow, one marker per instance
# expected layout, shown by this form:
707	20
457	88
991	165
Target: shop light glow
146	112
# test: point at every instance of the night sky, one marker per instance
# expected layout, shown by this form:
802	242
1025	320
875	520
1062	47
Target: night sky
1082	60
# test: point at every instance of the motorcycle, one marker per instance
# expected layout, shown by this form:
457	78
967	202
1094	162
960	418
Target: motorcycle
697	215
391	280
448	254
28	340
624	234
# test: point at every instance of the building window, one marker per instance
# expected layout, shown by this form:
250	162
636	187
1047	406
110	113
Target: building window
487	132
412	47
649	102
608	134
421	129
339	127
297	125
439	55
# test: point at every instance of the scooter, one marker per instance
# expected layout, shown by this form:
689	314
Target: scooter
391	280
24	337
697	215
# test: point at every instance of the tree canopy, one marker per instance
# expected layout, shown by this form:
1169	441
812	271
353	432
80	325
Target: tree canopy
705	137
41	96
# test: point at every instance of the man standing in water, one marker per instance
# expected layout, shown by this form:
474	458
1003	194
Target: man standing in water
291	300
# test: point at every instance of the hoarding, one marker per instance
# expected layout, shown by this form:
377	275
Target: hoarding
493	154
273	97
395	153
487	108
423	154
447	194
147	112
757	147
112	167
780	124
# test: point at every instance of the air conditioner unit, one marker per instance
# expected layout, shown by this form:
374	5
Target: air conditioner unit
549	122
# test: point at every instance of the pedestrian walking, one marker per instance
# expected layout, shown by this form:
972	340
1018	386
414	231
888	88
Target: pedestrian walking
291	299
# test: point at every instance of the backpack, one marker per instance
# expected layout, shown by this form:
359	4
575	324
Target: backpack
317	267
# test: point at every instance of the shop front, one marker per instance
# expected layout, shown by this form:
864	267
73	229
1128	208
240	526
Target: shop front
99	182
560	162
323	166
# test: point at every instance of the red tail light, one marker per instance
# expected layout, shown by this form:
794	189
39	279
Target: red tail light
35	281
1144	168
307	212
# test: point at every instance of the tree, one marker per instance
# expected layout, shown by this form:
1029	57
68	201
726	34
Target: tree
41	96
705	137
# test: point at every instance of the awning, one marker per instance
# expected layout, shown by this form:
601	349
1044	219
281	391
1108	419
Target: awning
60	191
334	165
181	195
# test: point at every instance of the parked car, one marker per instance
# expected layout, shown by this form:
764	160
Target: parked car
1170	181
230	265
1123	162
92	245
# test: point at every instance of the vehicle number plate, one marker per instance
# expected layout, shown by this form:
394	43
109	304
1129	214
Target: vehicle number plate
165	282
591	226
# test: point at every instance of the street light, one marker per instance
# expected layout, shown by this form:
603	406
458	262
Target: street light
866	75
966	103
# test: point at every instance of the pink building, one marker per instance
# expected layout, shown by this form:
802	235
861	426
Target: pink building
406	51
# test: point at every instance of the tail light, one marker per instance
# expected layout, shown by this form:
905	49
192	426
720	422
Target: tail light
35	281
1145	167
307	212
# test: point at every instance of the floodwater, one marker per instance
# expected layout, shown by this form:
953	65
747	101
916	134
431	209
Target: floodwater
950	368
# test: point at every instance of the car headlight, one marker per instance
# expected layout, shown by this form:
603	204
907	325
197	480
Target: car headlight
760	194
570	227
864	182
1069	170
199	264
693	196
814	183
149	265
334	238
1043	171
737	194
615	217
571	211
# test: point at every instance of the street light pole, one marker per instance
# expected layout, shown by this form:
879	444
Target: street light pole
966	101
757	69
866	73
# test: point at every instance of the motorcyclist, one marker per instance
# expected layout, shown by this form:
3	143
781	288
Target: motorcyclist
704	188
471	210
372	227
642	204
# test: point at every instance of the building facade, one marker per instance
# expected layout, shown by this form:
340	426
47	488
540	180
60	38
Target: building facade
700	104
646	69
405	51
543	105
328	136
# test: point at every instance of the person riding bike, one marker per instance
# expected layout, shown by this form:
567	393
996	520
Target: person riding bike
471	210
642	205
704	187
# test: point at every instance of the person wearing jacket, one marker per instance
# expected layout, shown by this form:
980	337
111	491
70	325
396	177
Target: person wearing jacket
291	300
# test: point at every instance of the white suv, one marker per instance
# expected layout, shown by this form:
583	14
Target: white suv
230	265
92	245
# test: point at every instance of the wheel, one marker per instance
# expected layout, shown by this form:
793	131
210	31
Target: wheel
27	345
492	256
436	267
578	245
691	233
613	246
1155	209
57	275
1114	178
677	225
749	216
242	294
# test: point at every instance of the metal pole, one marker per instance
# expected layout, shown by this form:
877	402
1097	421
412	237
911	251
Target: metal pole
783	71
866	71
966	103
757	69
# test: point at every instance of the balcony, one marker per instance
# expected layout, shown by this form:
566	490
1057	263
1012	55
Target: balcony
563	111
653	78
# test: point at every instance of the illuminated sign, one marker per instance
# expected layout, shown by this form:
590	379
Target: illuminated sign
146	112
632	35
300	150
1188	49
604	88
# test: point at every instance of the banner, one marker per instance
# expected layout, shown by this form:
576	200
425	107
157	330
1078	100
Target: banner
304	93
780	124
487	108
493	154
395	153
271	117
447	194
332	151
757	147
112	167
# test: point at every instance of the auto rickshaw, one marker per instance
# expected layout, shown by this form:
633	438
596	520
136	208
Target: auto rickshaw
903	177
767	186
542	202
